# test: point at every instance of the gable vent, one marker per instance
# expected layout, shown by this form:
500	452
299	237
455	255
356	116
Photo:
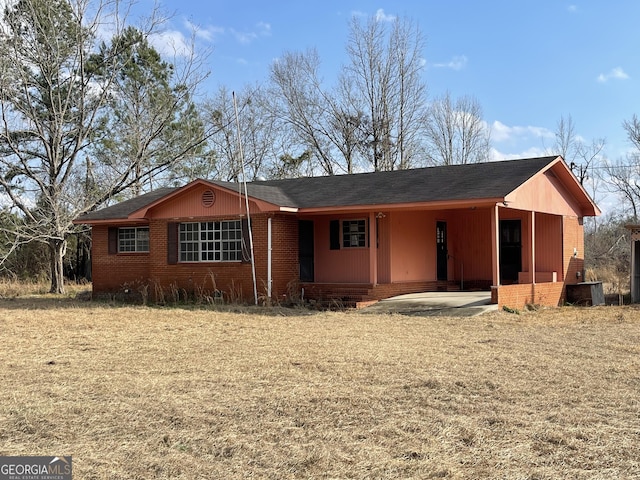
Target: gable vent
208	198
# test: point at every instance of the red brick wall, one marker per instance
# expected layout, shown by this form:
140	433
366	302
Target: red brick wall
517	296
112	273
550	294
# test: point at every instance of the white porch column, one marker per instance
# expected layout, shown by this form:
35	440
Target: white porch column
495	245
373	249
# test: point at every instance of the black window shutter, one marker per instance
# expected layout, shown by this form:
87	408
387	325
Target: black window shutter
246	242
113	240
172	243
334	235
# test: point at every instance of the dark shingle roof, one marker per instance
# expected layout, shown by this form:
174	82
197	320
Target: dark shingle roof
431	184
126	208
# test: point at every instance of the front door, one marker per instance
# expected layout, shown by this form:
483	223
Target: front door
442	252
510	251
305	250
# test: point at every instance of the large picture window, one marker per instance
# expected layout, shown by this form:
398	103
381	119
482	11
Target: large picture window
354	233
210	241
133	239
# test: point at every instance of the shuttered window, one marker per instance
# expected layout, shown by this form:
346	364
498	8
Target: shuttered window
133	239
354	233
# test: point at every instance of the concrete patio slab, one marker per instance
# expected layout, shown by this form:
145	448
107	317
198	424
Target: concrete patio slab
464	304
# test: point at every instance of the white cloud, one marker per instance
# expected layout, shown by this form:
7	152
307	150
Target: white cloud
208	33
379	16
384	17
572	8
615	74
503	133
171	43
263	30
244	37
456	63
532	152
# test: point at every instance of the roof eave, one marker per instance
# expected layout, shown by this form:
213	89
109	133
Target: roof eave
109	221
434	205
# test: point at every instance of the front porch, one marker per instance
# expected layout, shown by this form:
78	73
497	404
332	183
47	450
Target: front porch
522	257
357	295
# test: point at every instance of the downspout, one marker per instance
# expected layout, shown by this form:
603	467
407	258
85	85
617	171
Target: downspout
269	279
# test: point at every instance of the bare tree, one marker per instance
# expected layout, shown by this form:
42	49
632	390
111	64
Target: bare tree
255	125
53	103
304	107
372	118
384	71
623	176
457	132
607	251
579	155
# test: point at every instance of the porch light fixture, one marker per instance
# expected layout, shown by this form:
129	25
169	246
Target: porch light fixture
380	215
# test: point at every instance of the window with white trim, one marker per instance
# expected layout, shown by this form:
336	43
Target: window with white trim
210	241
354	233
133	239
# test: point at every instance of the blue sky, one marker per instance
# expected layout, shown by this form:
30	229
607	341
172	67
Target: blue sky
527	62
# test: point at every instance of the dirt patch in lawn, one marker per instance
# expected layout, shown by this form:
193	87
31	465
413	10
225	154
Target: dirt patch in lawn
135	392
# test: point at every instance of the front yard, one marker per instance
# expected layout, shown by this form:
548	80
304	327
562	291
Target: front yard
135	392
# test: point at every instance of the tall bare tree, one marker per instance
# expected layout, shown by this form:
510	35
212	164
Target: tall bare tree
579	155
623	175
385	77
373	117
256	126
304	106
53	105
456	131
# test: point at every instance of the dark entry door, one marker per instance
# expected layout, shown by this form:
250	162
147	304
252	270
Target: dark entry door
510	251
305	250
441	248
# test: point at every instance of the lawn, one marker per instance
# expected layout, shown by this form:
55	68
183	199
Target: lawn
143	393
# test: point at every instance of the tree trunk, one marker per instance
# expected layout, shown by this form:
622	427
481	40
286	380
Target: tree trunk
57	250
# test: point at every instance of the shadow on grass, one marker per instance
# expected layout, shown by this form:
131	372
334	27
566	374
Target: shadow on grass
82	300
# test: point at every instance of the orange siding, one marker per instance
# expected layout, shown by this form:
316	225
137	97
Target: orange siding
552	294
189	205
549	244
348	265
470	244
544	193
413	246
573	234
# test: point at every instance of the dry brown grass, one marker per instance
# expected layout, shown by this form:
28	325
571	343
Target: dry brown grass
141	393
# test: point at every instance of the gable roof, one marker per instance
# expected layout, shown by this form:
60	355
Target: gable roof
489	181
430	184
127	207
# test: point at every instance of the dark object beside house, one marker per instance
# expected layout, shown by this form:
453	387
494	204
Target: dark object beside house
586	293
